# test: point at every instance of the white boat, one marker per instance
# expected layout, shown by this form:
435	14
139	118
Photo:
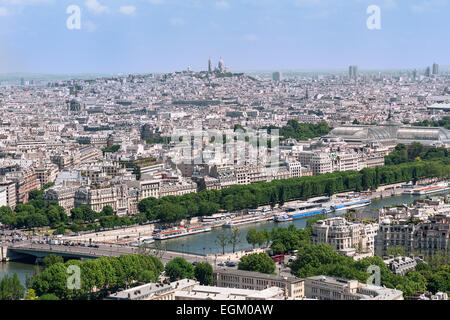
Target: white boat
427	189
141	241
246	220
180	232
284	218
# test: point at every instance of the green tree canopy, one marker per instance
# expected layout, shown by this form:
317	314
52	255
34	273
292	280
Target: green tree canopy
178	269
258	262
204	273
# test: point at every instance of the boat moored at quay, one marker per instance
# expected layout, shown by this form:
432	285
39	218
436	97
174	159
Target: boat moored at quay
247	220
314	209
180	232
427	189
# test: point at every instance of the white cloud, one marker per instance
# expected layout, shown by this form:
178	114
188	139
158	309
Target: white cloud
128	10
223	5
89	26
95	7
176	21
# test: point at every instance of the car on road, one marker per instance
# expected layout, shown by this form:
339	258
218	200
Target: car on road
231	264
221	264
194	263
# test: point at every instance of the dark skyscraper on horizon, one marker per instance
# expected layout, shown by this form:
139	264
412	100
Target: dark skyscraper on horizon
353	72
435	69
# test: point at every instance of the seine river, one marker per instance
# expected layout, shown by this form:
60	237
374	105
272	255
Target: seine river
204	243
22	270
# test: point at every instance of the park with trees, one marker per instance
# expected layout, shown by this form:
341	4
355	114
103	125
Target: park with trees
257	262
322	259
99	277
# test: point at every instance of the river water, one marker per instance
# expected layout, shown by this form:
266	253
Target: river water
22	270
204	243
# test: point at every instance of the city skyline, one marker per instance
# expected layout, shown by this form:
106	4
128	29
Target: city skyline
160	36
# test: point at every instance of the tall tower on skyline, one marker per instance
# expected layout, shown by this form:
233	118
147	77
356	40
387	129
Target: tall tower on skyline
435	69
221	66
276	76
427	72
210	68
353	72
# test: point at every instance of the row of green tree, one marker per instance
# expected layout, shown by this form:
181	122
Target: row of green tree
172	209
179	268
444	123
302	131
98	277
322	259
111	149
257	262
35	213
11	288
283	240
416	152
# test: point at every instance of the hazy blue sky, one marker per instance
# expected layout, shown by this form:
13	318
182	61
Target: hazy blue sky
168	35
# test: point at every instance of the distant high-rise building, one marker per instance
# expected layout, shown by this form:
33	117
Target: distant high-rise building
221	66
435	69
414	74
210	68
22	81
353	72
427	72
276	76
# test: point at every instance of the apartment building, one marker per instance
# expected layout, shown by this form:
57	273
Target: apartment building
26	181
154	291
248	174
395	235
346	161
295	169
177	188
343	235
230	278
401	265
3	197
329	288
46	173
148	187
10	191
426	237
97	198
320	163
191	290
64	195
88	154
